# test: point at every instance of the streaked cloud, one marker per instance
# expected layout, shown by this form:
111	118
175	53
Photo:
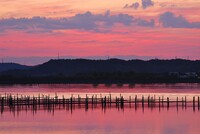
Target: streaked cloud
169	19
166	5
92	22
85	21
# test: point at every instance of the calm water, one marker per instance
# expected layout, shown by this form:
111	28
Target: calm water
102	121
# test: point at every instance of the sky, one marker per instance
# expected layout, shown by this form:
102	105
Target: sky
33	31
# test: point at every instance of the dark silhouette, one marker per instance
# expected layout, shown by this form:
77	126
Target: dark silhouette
106	71
11	66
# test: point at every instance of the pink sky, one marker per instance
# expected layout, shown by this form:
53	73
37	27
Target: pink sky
154	28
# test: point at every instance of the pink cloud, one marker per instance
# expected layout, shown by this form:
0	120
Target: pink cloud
166	43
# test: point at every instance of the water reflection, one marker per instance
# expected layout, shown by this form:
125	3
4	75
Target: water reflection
51	108
155	118
130	88
107	120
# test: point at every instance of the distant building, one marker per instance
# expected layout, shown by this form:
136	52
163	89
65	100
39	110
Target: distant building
189	75
184	75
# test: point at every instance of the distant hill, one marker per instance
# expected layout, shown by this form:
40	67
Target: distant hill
11	66
82	66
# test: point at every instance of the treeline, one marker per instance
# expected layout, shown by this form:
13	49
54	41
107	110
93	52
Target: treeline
104	71
82	66
97	78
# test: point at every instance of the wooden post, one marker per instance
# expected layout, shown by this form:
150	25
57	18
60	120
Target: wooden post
136	101
152	102
185	102
177	103
122	102
56	98
2	101
86	102
143	102
39	99
10	101
96	99
148	100
102	102
194	103
21	100
159	103
182	103
116	101
79	100
162	101
105	101
167	102
198	103
48	100
63	100
17	99
36	101
28	101
92	100
110	99
32	101
71	102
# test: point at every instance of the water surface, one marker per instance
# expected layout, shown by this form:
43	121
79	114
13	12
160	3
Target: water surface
100	120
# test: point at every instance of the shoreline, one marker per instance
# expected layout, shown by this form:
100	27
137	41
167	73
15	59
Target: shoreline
94	82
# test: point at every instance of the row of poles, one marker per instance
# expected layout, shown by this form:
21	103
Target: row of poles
12	101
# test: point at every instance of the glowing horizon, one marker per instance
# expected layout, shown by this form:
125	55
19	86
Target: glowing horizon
162	29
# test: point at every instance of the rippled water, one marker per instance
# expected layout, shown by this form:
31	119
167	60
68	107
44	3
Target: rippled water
110	120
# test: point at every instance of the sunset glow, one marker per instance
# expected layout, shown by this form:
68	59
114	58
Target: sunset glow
81	28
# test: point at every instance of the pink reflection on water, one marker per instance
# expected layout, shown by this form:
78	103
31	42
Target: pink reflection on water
111	120
135	88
